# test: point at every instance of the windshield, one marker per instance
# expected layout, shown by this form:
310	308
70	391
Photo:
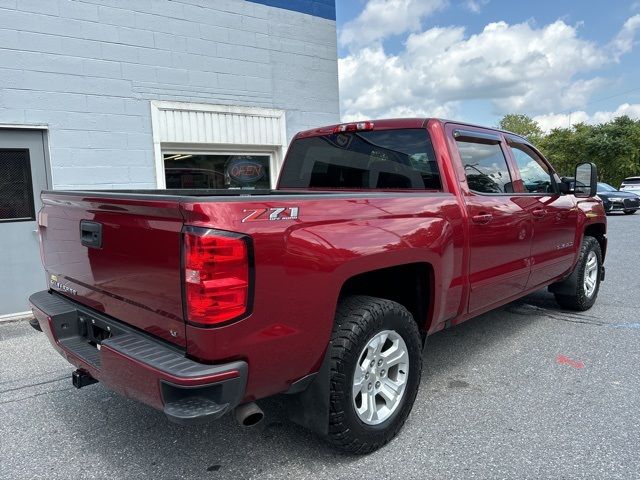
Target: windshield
400	159
605	187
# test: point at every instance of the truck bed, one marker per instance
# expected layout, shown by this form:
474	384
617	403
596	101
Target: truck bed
135	272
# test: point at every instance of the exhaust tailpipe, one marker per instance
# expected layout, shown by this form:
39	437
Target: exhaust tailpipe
248	415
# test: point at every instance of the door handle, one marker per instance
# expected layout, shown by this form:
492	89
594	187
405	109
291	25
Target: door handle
482	219
539	212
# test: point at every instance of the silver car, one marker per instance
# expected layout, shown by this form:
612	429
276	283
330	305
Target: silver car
631	184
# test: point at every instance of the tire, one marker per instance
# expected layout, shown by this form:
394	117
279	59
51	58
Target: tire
359	320
629	212
583	299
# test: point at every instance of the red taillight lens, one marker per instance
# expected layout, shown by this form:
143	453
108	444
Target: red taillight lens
216	276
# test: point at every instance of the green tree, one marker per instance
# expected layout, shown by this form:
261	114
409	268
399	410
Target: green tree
562	149
613	146
522	125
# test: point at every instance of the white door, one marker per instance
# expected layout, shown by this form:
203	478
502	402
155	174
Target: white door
23	176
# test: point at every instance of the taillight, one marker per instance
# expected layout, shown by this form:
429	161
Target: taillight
216	276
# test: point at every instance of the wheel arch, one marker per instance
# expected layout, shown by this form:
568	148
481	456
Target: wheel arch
599	232
308	402
411	285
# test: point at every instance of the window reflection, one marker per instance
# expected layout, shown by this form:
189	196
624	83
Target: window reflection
485	167
214	171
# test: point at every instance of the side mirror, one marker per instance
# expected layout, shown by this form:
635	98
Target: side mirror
586	180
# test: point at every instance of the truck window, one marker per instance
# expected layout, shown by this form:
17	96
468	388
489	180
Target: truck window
535	174
384	159
485	167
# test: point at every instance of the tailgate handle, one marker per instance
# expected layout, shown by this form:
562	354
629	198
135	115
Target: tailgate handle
91	234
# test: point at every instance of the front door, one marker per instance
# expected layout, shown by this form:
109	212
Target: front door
22	176
499	227
555	216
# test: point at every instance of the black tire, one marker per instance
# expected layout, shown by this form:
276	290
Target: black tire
358	319
630	212
579	300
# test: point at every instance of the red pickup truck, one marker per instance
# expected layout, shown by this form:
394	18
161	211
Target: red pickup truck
323	290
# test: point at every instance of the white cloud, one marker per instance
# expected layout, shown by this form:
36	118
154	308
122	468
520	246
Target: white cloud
402	111
518	68
383	18
564	120
475	6
625	39
560	120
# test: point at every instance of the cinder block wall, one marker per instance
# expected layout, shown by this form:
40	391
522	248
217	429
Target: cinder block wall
88	69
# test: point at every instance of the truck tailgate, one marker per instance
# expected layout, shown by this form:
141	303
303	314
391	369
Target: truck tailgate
120	256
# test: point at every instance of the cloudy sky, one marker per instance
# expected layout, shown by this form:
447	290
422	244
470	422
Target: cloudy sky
560	61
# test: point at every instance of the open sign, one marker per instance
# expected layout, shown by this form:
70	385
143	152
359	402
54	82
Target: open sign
243	170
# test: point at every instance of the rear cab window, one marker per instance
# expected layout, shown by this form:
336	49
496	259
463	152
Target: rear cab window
393	159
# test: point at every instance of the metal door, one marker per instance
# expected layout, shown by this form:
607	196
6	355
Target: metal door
23	174
555	216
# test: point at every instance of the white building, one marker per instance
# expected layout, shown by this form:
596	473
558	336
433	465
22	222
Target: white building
106	94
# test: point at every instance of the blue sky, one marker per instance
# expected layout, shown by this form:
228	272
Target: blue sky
559	61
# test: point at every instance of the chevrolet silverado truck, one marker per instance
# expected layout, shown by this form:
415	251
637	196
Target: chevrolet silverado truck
322	291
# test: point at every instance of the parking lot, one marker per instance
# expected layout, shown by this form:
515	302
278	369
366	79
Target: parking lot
527	391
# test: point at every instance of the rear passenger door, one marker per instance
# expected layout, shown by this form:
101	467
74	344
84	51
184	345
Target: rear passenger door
499	227
554	216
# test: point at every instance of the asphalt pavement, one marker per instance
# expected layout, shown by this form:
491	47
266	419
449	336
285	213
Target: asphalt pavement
526	391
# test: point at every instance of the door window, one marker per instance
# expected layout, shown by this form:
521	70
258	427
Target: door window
485	167
535	174
16	189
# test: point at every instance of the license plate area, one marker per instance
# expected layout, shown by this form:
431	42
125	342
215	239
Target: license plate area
82	333
94	330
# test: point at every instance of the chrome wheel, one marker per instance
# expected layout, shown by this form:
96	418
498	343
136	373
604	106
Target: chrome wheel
591	272
380	377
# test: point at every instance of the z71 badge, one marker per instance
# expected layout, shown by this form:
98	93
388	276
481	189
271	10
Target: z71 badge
273	214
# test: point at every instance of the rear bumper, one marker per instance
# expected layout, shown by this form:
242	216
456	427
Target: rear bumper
137	365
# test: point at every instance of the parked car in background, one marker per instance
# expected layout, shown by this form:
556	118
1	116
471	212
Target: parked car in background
631	184
618	201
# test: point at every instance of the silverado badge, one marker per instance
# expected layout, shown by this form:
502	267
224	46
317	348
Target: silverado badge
53	281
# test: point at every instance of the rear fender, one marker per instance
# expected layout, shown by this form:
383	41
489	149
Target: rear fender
347	250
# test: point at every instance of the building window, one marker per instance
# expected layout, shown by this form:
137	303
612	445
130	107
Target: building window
216	171
16	189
